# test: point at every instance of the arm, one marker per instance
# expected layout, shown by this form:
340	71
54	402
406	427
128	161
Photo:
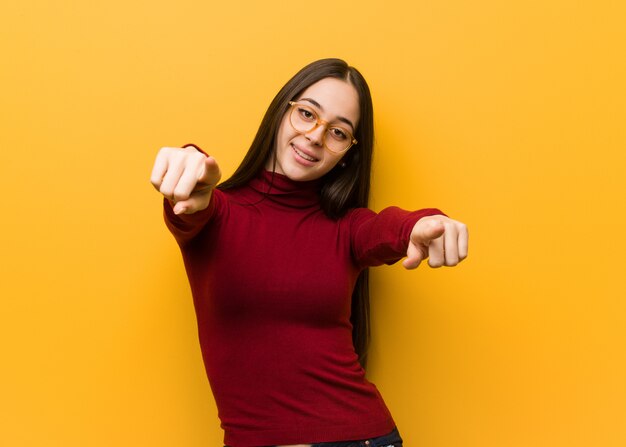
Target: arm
387	237
383	238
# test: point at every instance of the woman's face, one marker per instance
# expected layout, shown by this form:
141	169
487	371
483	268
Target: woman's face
302	156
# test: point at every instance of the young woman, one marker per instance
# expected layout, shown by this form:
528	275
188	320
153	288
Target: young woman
277	258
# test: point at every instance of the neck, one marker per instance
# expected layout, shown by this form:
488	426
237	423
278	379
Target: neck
281	189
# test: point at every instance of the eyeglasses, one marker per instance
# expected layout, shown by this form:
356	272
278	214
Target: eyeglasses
304	119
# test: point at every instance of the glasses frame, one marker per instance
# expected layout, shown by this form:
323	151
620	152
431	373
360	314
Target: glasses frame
318	123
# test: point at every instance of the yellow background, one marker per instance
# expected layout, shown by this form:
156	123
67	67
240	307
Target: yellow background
509	116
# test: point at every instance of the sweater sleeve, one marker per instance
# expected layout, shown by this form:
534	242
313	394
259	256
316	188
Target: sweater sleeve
185	227
196	148
383	238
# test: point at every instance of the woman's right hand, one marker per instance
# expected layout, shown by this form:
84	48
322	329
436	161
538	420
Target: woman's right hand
186	177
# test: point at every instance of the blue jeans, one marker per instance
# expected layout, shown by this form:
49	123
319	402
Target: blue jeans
392	439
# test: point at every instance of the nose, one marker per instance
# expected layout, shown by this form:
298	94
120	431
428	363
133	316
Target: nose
316	135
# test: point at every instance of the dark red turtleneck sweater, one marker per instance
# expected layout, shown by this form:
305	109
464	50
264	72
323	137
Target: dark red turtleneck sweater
272	279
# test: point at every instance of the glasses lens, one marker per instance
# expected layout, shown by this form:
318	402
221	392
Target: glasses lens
303	118
337	139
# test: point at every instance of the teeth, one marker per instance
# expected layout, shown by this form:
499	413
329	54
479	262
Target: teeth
305	156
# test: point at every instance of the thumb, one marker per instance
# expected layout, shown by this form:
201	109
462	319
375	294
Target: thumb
425	231
414	256
195	203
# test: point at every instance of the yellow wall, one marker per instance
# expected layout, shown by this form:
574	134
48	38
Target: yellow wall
507	115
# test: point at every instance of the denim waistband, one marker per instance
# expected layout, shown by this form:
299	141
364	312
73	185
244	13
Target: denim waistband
391	439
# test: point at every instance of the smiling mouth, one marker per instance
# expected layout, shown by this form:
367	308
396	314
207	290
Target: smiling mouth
303	155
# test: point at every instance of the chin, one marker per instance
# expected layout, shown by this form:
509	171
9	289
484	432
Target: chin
297	175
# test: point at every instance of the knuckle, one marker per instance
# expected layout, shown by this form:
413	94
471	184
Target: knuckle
165	150
166	191
195	163
177	157
198	156
435	262
180	194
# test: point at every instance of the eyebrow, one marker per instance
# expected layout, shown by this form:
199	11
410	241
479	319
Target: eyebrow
340	118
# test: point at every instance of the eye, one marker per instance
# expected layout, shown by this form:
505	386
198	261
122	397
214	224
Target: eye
306	114
338	133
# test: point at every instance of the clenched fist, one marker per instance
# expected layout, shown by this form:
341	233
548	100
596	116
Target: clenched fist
186	177
440	239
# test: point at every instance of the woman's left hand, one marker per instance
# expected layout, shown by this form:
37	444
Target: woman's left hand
440	239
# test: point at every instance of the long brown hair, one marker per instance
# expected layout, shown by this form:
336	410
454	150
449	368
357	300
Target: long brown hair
343	188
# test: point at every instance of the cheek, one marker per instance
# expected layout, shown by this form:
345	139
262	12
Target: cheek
332	160
284	128
282	139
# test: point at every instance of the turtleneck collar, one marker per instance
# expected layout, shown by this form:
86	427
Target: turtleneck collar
281	189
